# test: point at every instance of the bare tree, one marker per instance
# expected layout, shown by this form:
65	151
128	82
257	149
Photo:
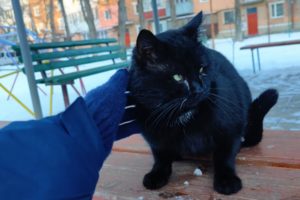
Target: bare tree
173	13
51	17
88	17
212	24
140	8
32	23
291	15
238	21
122	24
63	12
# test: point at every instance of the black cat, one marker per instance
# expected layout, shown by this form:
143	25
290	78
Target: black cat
191	100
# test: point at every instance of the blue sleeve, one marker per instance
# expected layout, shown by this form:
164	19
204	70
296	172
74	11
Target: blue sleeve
54	158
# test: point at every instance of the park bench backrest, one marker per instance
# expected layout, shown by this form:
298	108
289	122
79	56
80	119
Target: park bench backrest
58	55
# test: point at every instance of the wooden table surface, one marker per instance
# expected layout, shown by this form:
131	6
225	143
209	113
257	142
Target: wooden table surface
271	170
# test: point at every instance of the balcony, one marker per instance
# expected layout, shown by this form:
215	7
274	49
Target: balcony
161	13
248	2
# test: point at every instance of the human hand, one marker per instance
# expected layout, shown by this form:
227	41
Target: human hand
113	113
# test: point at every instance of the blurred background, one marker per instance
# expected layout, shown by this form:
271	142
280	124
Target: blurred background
228	25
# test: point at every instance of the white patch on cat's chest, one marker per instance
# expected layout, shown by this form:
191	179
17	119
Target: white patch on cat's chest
184	118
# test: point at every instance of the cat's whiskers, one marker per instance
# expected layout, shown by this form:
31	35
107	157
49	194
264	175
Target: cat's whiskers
182	103
160	113
227	101
169	115
174	113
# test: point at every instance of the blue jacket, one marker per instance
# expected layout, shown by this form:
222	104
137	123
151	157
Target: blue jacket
60	157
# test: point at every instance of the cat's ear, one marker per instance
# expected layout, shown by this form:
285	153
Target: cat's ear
146	43
191	28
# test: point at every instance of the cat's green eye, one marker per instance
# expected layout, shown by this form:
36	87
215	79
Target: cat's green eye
177	77
201	70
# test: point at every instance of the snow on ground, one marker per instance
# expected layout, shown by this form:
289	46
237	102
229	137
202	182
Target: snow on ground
286	56
11	110
280	69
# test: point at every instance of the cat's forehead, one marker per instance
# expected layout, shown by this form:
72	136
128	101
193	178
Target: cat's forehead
174	38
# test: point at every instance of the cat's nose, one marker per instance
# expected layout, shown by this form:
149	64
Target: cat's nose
195	88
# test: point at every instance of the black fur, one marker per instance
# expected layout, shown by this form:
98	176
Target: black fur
206	107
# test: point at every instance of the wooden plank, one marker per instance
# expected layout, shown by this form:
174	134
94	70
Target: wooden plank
278	148
271	44
74	52
51	45
122	175
75	62
65	78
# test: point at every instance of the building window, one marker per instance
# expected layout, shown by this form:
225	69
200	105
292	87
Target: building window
103	34
228	17
36	11
135	8
107	14
181	1
159	3
148	5
277	10
8	14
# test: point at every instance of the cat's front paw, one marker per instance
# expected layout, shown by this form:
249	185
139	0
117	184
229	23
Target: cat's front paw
155	180
227	185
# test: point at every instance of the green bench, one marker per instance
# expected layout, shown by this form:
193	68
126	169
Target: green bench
49	59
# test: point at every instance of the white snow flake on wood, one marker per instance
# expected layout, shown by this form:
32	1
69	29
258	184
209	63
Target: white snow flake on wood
198	172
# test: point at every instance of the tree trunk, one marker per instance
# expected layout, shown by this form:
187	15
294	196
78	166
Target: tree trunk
122	24
268	21
88	17
63	12
140	10
32	23
173	13
212	25
52	23
238	21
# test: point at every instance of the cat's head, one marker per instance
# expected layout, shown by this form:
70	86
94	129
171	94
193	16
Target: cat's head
169	75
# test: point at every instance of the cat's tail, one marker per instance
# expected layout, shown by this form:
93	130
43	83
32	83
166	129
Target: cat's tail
257	111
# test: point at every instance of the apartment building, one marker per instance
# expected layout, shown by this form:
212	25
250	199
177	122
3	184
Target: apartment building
270	16
40	19
6	13
258	16
108	16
